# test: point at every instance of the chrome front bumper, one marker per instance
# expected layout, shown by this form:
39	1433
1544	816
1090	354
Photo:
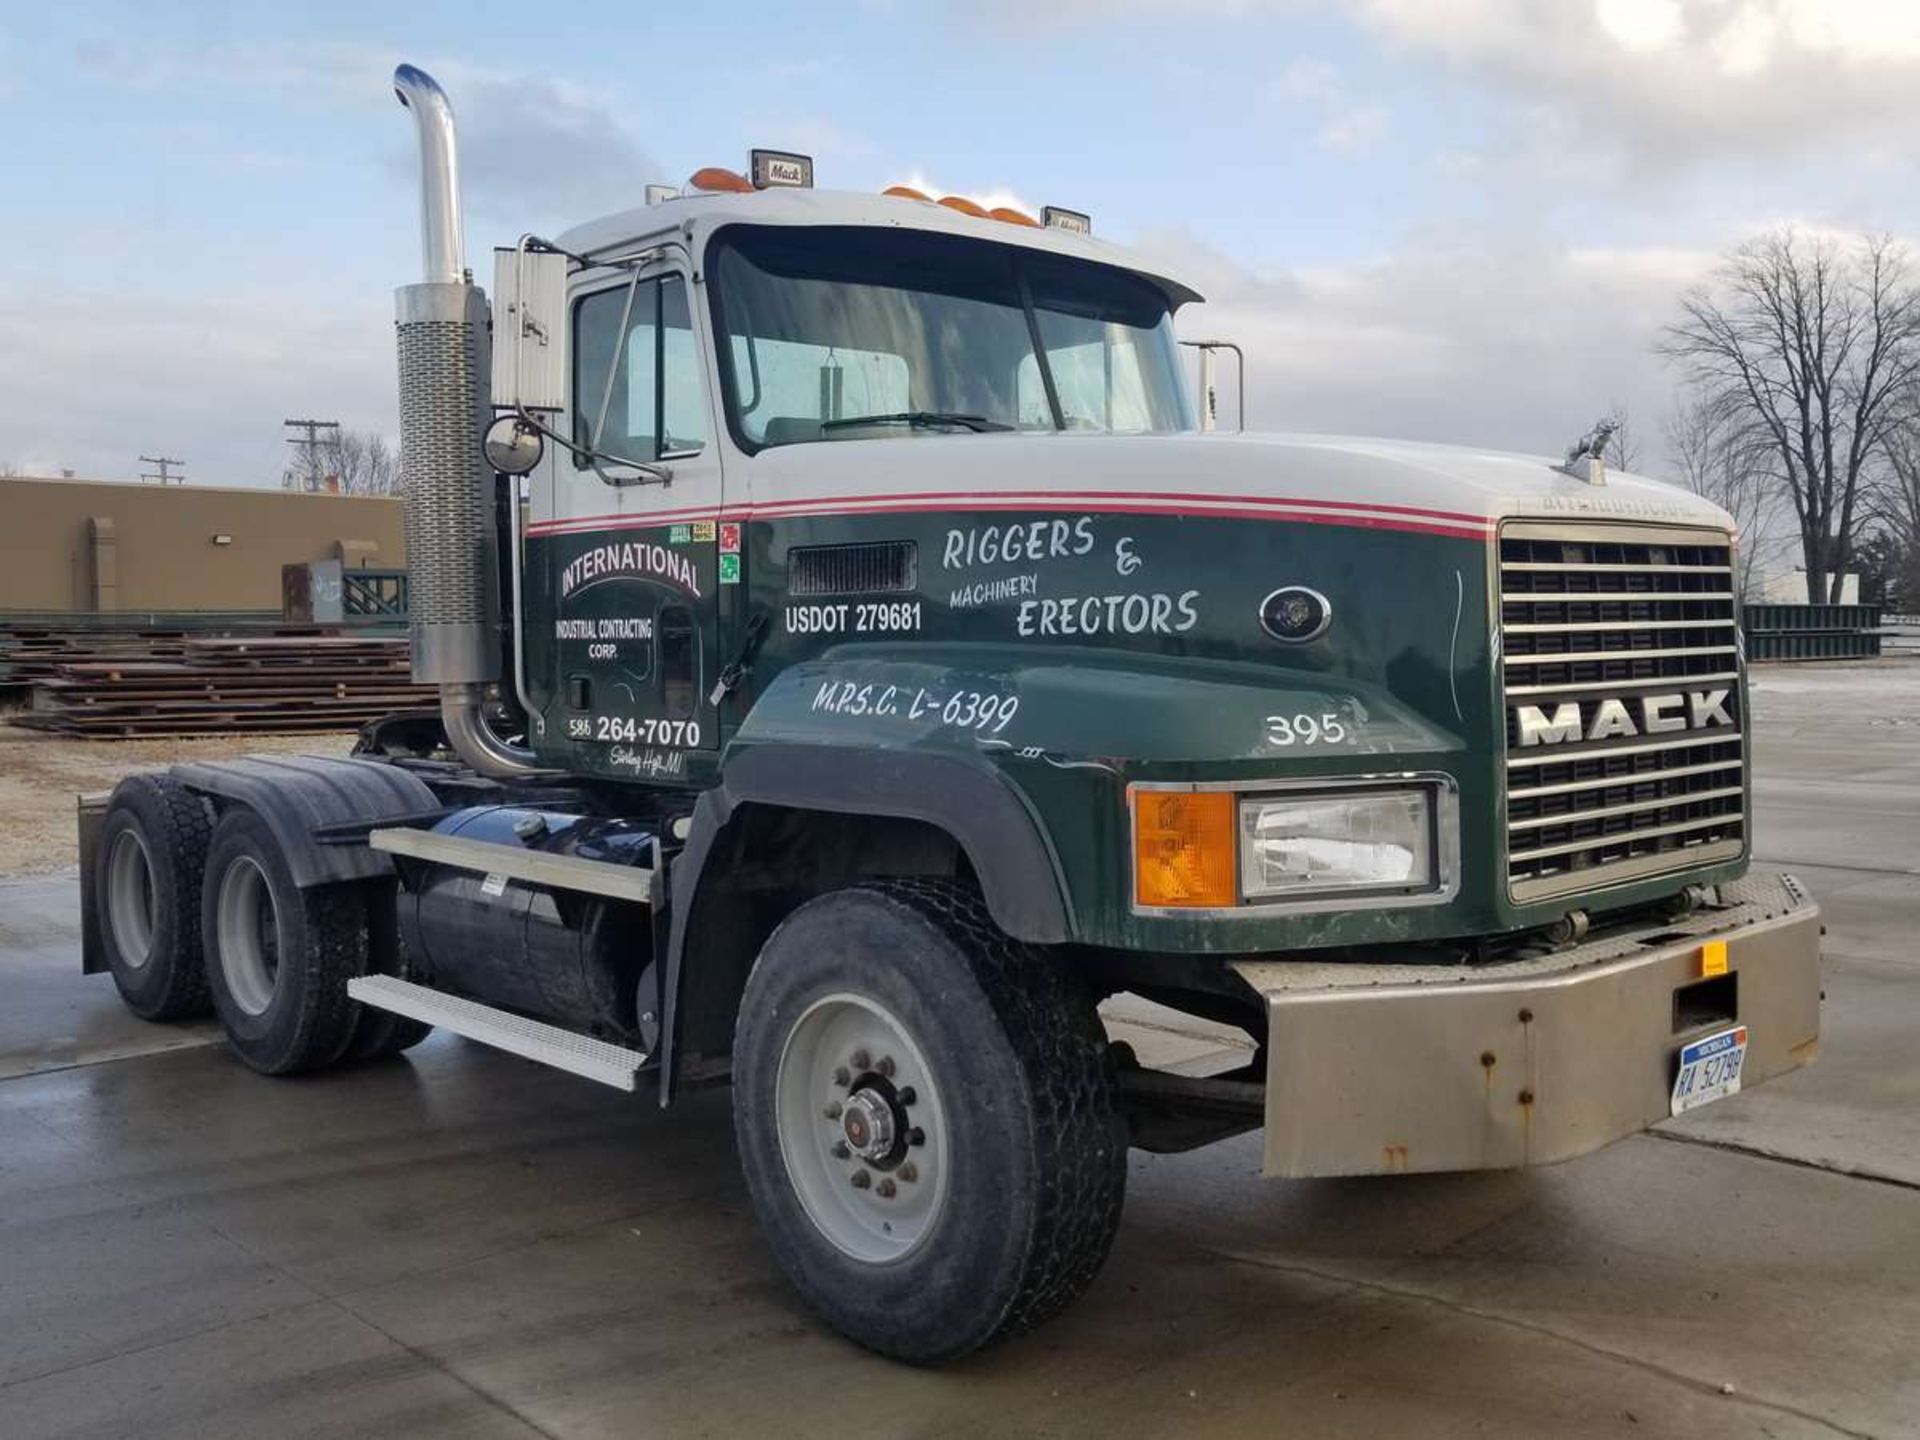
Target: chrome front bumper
1376	1069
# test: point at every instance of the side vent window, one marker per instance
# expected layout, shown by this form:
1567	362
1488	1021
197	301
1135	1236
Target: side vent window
886	567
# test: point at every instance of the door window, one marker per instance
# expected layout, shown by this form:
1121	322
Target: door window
637	388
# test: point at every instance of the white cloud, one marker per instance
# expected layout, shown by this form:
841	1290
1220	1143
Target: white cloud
1309	82
92	381
1471	338
1640	24
1671	78
1319	87
534	147
1354	128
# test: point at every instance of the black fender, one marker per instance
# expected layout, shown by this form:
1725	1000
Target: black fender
1020	878
297	795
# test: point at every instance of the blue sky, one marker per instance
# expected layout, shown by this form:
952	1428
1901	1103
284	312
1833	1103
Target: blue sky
1457	219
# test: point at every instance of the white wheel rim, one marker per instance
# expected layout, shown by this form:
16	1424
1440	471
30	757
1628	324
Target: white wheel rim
247	935
130	898
848	1072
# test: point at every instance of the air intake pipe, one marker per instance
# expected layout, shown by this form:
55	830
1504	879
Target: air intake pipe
445	403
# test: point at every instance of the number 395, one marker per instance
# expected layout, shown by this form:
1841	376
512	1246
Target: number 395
1307	729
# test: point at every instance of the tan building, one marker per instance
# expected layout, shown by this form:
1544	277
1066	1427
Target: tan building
99	545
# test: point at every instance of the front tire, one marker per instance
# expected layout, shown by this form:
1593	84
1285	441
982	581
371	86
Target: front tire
928	1120
278	957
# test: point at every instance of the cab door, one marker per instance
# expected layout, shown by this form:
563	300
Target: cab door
627	560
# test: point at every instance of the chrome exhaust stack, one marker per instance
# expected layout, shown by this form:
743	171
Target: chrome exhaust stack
445	404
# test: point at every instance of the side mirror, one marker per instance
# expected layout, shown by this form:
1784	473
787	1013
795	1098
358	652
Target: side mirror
512	446
1208	398
529	330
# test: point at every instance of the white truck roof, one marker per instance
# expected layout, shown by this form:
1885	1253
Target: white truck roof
699	214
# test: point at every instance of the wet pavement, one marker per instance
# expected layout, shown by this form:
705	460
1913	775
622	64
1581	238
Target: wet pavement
459	1243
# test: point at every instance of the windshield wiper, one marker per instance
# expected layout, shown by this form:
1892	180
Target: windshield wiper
919	420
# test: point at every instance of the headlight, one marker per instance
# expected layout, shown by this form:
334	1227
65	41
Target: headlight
1380	840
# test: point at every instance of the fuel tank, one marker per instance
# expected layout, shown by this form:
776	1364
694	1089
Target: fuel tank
577	960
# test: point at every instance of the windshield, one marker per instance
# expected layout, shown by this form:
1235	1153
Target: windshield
836	332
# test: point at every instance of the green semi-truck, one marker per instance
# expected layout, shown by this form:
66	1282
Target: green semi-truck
857	662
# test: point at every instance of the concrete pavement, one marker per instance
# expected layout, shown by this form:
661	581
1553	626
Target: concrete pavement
458	1243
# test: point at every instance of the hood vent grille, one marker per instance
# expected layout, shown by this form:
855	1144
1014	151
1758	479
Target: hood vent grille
886	567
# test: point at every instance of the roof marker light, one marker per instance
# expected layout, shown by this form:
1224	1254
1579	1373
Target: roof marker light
774	168
1072	221
1012	216
907	192
715	180
965	206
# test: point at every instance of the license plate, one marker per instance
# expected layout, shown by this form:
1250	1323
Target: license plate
1710	1069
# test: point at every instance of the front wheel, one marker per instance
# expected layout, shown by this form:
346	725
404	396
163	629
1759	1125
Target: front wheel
927	1119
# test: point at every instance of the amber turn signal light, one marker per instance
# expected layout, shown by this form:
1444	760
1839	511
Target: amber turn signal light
1183	848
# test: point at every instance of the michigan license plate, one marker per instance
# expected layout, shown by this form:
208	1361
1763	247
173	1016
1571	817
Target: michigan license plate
1710	1069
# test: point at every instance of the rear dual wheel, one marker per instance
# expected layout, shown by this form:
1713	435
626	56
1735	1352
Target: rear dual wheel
927	1118
147	878
279	957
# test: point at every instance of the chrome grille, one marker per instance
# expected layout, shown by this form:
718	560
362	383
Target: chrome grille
1597	622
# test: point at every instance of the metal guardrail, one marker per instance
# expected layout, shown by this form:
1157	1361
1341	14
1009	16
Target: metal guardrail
1811	632
374	594
325	592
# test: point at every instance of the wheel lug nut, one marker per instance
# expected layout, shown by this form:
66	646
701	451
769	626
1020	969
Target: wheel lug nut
884	1189
840	1150
842	1078
861	1180
860	1060
885	1066
833	1110
908	1095
916	1136
909	1172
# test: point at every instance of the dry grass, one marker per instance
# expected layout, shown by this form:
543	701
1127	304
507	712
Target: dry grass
41	774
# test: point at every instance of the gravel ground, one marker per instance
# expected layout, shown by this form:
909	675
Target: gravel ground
41	774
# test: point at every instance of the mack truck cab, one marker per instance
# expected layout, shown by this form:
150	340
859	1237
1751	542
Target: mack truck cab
858	660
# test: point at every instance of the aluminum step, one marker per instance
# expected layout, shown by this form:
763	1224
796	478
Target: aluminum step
556	872
530	1039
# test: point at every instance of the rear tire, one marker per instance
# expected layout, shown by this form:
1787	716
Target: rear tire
897	1012
381	1034
278	958
147	875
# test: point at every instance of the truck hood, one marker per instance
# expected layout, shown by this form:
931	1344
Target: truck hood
1392	484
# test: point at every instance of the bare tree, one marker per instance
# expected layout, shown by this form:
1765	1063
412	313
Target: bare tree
1720	456
1623	445
1815	347
1897	507
351	462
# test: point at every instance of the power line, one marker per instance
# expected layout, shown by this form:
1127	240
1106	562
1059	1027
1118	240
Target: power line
310	445
163	469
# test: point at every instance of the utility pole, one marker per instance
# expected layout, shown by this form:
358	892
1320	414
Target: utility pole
310	443
163	469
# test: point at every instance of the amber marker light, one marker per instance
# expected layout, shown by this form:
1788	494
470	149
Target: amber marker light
1013	216
965	206
907	192
1183	849
715	178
